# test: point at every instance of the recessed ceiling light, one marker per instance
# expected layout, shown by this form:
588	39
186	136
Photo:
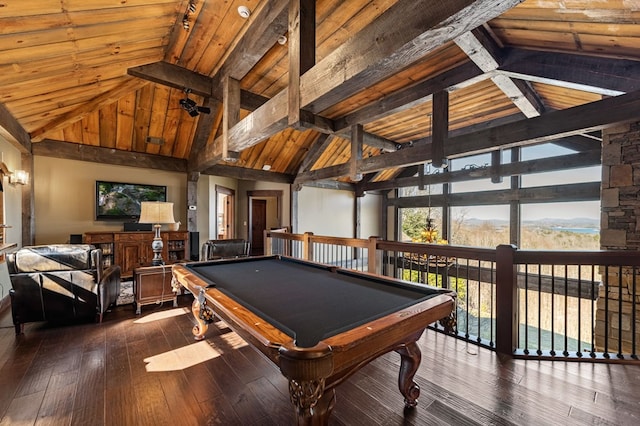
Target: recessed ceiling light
266	167
244	11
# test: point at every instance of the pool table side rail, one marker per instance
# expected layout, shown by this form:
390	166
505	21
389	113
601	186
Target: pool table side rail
368	341
241	320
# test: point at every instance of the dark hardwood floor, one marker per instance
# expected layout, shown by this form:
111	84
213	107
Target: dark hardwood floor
148	370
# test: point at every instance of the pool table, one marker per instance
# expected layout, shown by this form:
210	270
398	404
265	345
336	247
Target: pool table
319	324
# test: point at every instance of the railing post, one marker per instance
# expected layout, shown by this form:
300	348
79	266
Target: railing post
372	255
307	247
268	250
506	300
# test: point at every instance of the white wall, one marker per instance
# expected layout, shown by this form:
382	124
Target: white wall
370	216
326	212
12	212
64	192
12	194
331	212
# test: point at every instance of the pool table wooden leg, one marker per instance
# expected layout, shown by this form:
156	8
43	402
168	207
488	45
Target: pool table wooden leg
313	403
201	327
410	356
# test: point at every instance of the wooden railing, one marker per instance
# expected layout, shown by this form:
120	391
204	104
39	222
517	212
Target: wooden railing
525	303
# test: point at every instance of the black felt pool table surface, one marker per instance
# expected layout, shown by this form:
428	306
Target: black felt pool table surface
305	301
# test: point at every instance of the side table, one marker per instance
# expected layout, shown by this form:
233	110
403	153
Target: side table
152	284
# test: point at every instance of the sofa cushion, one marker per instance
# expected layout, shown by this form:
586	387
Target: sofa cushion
53	257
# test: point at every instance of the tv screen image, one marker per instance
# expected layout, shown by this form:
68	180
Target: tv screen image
121	201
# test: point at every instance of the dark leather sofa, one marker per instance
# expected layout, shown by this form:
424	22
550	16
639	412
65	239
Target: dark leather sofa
60	283
225	249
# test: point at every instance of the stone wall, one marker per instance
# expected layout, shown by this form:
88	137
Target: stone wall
619	230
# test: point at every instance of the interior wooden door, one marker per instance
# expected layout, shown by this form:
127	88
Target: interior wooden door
258	225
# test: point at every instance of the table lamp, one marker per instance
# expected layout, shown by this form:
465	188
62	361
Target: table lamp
157	213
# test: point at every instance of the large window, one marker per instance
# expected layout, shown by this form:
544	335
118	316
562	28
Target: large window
480	226
561	226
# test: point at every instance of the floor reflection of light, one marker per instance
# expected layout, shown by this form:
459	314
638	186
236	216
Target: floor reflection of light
179	359
233	340
157	316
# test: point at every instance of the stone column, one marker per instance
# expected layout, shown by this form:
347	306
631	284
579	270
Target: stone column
619	230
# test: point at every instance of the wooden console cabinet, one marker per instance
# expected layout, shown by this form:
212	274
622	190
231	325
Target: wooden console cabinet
152	285
131	250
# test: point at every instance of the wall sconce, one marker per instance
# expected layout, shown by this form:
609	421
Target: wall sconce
19	177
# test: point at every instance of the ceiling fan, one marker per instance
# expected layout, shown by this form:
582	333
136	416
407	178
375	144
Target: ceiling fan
191	107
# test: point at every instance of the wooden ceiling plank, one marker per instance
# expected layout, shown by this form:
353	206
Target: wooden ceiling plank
270	22
94	105
124	125
44	68
107	116
410	96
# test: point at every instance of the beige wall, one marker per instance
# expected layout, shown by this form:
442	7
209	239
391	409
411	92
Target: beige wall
64	192
207	204
242	228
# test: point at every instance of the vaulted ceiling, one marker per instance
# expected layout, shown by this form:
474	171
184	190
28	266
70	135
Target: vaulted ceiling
351	89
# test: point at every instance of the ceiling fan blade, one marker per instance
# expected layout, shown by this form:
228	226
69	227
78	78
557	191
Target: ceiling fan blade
205	110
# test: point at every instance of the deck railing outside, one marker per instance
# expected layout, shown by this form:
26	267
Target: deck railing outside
526	303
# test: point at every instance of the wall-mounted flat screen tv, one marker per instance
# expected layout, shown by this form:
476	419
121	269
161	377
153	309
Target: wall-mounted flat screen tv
121	201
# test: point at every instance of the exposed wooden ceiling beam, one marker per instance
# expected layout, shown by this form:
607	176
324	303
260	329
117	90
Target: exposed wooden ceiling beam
248	174
484	54
174	76
551	126
541	194
96	154
365	60
584	118
13	132
315	151
606	76
181	78
563	162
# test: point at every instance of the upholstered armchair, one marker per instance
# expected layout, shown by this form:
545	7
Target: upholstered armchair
225	249
60	283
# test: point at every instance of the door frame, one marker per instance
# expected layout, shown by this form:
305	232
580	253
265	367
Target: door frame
230	213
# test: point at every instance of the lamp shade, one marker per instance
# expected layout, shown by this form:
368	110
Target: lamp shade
156	212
